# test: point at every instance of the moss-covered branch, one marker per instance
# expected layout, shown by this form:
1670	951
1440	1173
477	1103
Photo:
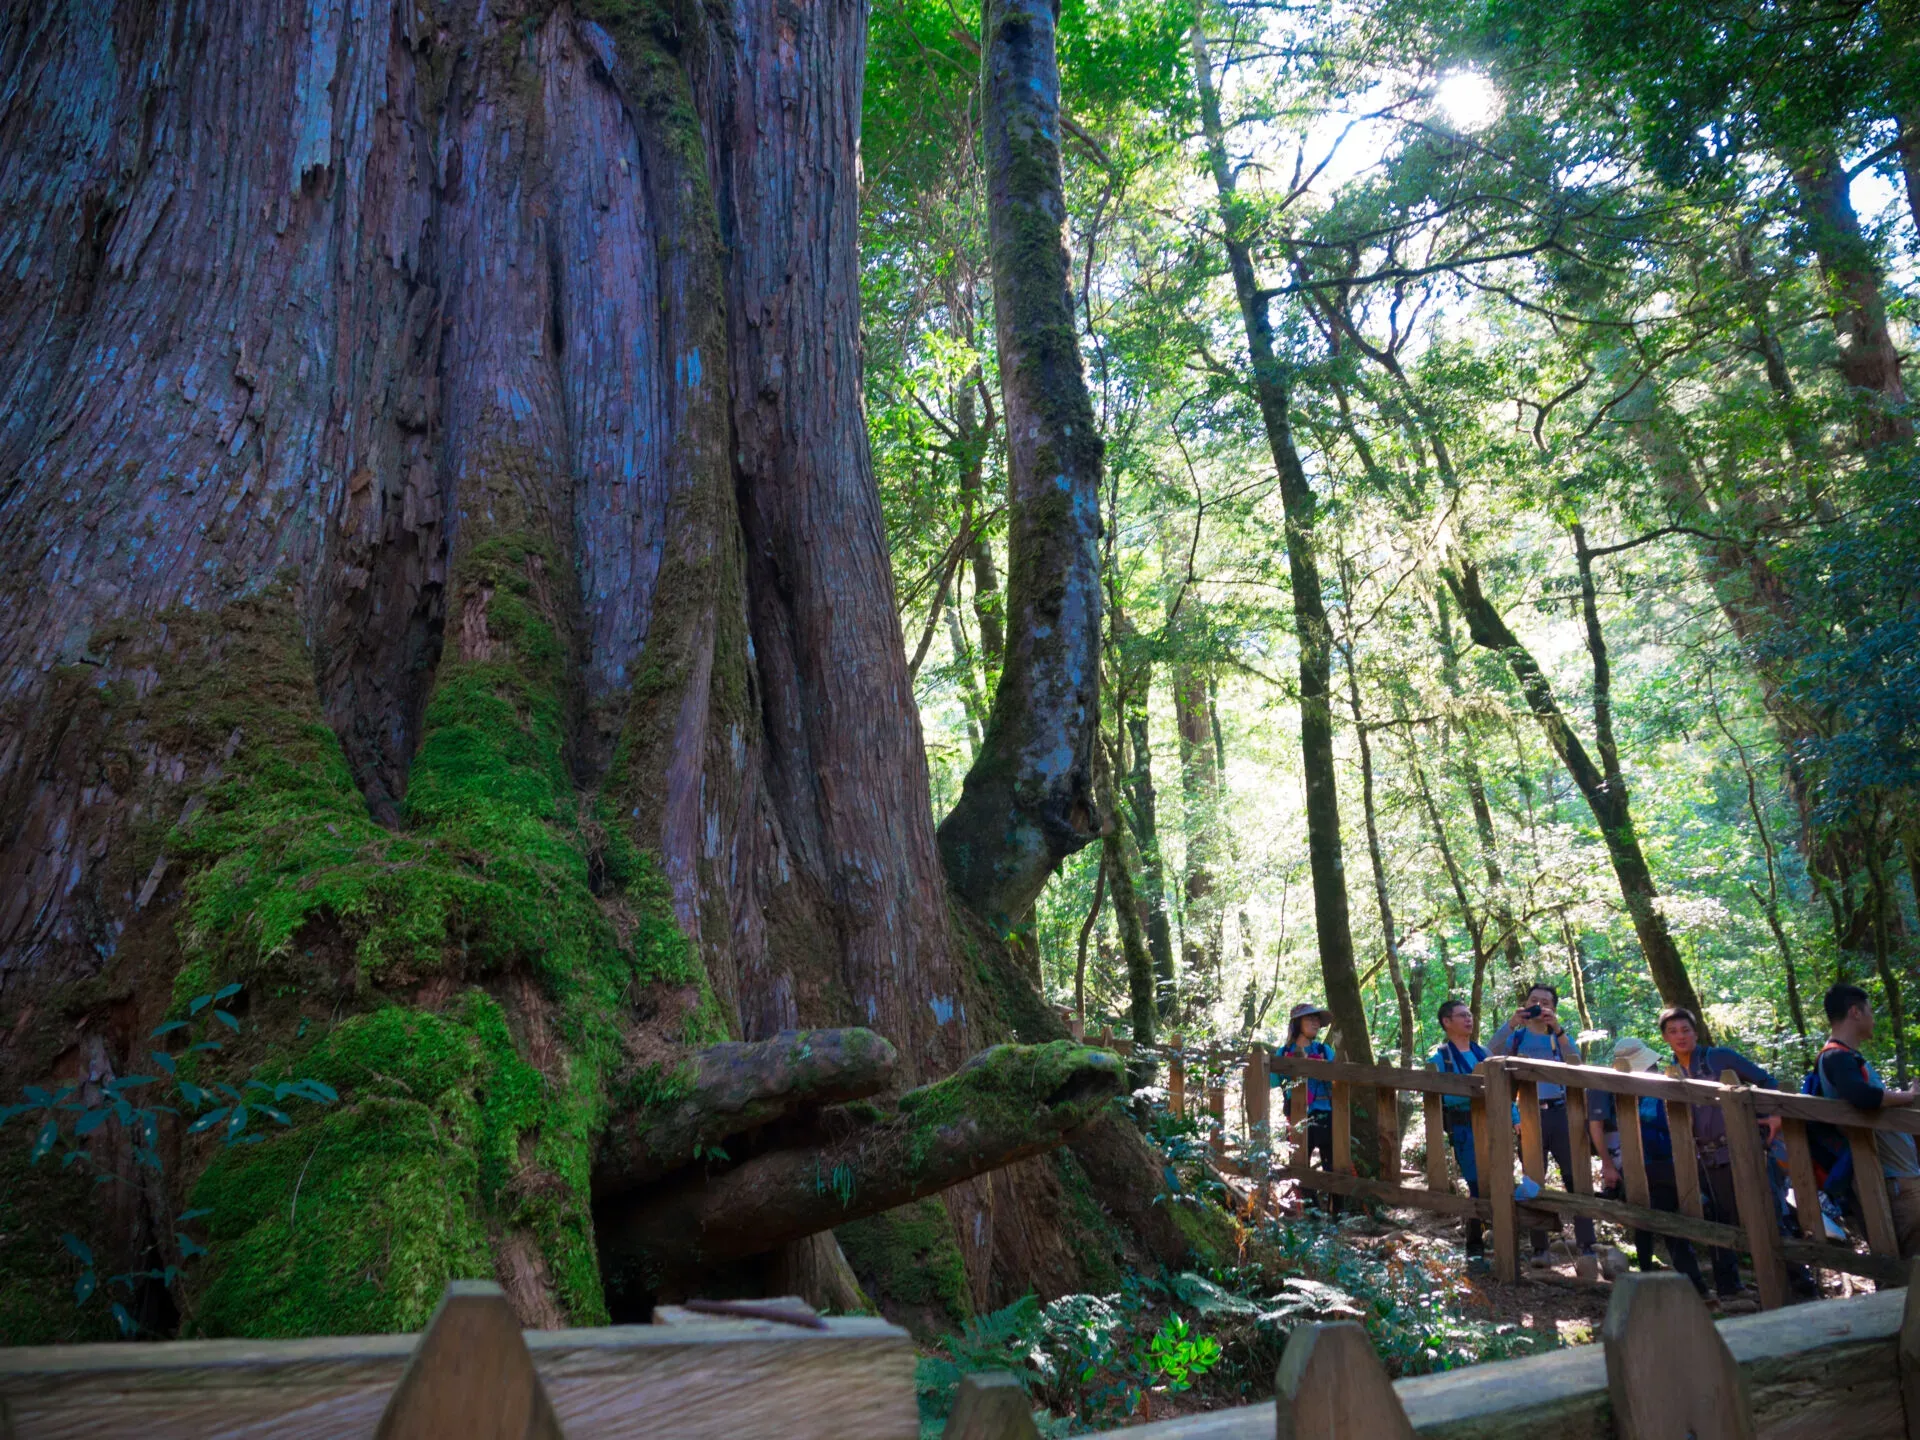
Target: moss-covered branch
730	1089
1006	1104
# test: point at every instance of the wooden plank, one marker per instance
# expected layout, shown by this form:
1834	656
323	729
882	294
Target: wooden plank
1217	1120
1811	1372
1343	1127
1386	1111
1331	1386
1877	1210
1257	1093
1482	1139
1444	1203
1902	1118
1686	1178
1616	1081
1639	1217
1533	1150
470	1377
1633	1155
990	1405
1426	1082
623	1382
1806	1186
1437	1144
1496	1181
1582	1142
1752	1192
1668	1371
1299	1159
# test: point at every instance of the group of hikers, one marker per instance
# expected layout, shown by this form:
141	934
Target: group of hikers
1534	1031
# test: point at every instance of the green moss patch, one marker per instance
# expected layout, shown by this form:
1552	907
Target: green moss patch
353	1222
909	1261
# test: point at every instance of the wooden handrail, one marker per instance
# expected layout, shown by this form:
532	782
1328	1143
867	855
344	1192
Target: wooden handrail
1381	1077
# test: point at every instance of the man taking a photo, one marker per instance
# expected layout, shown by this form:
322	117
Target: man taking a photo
1534	1032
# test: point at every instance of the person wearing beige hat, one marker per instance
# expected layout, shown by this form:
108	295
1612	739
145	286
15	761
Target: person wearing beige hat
1304	1024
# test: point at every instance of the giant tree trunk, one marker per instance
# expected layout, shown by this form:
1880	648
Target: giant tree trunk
446	593
1027	802
1330	915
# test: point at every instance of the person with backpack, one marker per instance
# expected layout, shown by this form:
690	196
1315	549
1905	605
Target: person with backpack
1534	1032
1680	1028
1845	1074
1304	1024
1656	1151
1457	1054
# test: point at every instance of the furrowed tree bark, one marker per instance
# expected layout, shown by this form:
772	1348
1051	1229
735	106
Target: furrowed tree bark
1605	797
1027	801
446	594
1270	387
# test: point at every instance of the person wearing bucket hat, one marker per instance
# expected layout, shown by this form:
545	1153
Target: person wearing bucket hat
1304	1024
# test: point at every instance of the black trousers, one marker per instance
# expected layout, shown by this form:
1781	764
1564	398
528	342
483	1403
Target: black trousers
1320	1143
1558	1143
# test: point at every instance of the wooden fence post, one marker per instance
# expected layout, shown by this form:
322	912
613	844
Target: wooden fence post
990	1405
1668	1371
1686	1178
1752	1192
470	1377
1580	1141
1533	1145
1806	1186
1435	1107
1882	1239
1633	1155
1256	1092
1496	1176
1331	1386
1342	1127
1176	1081
1386	1116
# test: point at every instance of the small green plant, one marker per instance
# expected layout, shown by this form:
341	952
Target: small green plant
1175	1358
72	1115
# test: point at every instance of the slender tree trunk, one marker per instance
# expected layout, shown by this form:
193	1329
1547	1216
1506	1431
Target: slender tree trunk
1028	798
1607	800
1770	902
1142	810
1498	908
1576	972
1200	788
1403	998
1473	926
1310	617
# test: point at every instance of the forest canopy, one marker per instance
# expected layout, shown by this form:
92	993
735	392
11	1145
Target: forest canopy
1590	323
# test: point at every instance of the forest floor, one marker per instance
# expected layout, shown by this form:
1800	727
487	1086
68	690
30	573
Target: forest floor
1184	1344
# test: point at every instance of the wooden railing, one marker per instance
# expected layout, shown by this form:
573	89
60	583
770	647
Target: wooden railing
1261	1151
1837	1367
1663	1369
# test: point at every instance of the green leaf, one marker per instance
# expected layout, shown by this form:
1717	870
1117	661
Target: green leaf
84	1287
227	992
167	1029
43	1143
228	1020
78	1248
198	1003
208	1120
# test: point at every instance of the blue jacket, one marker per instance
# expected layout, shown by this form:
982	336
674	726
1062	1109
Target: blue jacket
1319	1092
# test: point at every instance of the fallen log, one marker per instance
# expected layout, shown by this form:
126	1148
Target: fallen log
734	1089
1006	1104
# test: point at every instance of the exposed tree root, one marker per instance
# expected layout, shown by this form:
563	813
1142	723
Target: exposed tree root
735	1088
1004	1105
